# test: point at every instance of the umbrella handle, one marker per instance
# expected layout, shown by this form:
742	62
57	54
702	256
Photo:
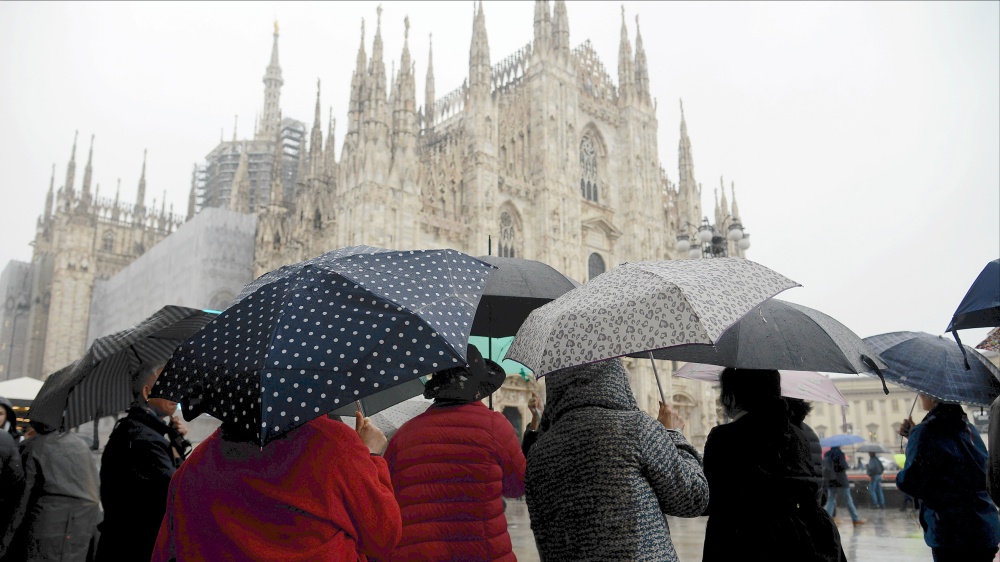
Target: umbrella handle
656	376
361	408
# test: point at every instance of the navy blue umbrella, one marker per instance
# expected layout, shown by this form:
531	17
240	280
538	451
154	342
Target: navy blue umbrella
310	337
934	366
981	306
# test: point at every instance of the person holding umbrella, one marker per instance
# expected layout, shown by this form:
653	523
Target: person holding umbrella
452	465
874	470
762	460
835	473
945	470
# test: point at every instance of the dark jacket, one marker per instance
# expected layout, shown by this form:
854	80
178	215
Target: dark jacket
946	470
763	484
59	510
798	409
135	471
603	474
11	484
837	462
993	472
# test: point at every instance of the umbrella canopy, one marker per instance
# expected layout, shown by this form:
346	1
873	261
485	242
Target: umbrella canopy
935	366
872	448
841	440
981	306
513	291
381	401
99	383
310	337
643	306
787	336
807	385
393	417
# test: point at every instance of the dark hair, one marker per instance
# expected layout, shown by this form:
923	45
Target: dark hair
747	389
798	409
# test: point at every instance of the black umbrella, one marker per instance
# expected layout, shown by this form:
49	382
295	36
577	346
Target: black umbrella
99	383
781	335
308	338
517	287
932	365
981	306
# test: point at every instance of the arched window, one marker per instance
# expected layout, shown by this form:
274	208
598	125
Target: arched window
508	234
588	169
595	265
317	221
108	242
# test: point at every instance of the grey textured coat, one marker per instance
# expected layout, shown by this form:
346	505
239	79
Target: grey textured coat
603	474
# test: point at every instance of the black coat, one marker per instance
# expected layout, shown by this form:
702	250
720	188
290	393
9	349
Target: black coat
763	485
59	509
135	471
11	484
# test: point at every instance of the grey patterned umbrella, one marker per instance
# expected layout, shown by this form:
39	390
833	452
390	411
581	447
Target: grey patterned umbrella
311	337
786	336
935	366
643	306
99	383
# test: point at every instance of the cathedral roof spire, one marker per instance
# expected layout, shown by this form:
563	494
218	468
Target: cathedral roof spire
641	69
49	195
543	29
71	169
685	160
193	194
140	196
625	73
480	71
236	121
429	84
560	28
271	121
736	209
88	173
329	154
359	81
316	141
404	119
277	191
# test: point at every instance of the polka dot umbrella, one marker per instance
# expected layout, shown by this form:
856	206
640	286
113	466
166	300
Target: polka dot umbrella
307	338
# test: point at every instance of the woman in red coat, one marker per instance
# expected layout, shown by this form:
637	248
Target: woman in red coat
450	467
320	494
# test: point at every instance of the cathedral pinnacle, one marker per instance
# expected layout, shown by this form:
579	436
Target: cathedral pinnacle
270	121
625	73
140	197
88	173
429	84
71	169
641	70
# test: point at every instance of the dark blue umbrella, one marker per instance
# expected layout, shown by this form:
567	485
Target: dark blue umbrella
934	366
308	338
841	440
981	306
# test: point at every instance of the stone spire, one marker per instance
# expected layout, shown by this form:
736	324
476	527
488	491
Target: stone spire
723	206
736	208
626	75
49	195
193	195
560	28
375	107
479	57
271	120
405	95
543	28
329	154
641	69
140	196
236	122
359	81
277	191
88	173
429	84
316	141
685	161
239	193
71	171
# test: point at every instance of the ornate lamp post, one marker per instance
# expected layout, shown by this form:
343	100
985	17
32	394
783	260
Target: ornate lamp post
708	241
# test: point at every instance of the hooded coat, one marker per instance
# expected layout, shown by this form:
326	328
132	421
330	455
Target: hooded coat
11	484
946	470
764	486
602	474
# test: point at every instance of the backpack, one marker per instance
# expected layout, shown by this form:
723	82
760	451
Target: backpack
875	466
829	474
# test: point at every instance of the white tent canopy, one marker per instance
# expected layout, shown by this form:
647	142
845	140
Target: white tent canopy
21	388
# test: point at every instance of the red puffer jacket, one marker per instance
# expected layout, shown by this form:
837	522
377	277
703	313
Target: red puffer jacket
449	467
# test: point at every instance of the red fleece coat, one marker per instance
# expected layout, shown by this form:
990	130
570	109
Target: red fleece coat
449	468
316	495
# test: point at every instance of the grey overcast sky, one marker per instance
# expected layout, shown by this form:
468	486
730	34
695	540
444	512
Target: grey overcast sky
863	137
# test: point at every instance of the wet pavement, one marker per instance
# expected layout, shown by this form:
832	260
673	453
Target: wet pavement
890	535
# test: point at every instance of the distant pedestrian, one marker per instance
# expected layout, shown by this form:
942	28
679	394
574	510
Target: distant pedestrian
835	467
136	468
602	474
8	420
763	481
875	470
57	515
945	471
11	472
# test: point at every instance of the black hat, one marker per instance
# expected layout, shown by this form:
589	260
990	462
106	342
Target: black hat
473	381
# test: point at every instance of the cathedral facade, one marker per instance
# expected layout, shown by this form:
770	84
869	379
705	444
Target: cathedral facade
540	155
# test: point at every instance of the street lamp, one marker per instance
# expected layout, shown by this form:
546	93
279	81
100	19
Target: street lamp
707	240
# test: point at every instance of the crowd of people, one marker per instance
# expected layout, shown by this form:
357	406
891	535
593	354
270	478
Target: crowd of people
598	476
